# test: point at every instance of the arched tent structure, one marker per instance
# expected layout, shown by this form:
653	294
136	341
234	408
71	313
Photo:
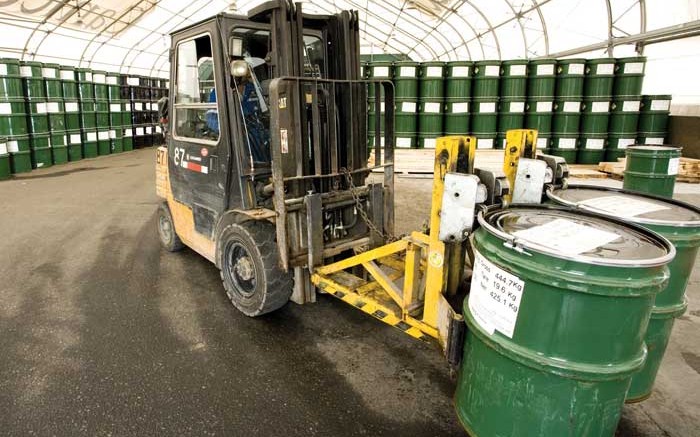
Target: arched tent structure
132	36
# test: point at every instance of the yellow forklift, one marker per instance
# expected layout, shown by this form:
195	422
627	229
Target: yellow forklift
265	174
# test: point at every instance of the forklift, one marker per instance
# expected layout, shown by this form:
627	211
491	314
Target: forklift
265	174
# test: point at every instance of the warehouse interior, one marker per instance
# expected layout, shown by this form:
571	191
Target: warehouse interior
350	217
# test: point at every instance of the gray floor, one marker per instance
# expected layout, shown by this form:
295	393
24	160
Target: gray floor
103	333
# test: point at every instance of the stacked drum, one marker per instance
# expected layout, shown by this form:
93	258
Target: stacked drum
567	108
88	116
484	121
653	119
597	89
512	96
71	104
624	115
541	87
458	88
13	122
431	103
406	100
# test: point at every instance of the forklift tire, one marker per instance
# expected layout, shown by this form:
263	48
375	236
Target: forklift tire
166	230
253	280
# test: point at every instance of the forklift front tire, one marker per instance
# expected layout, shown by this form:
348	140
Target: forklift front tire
166	230
254	282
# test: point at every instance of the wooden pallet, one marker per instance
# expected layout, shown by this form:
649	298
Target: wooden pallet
688	170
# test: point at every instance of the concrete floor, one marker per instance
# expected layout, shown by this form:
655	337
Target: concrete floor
104	333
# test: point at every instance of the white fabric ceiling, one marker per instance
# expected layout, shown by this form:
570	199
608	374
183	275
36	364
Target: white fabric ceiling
132	36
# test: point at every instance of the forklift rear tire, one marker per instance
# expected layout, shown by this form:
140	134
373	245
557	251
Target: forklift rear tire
254	282
166	230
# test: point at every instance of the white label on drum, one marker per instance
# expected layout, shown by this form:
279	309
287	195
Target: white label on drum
408	106
3	148
407	72
567	143
112	134
542	143
460	71
381	71
484	143
622	206
623	143
71	107
518	70
158	130
634	68
12	146
653	140
516	107
605	69
139	131
460	108
431	107
488	107
5	108
494	299
673	165
149	130
92	136
48	73
433	72
75	138
403	142
600	107
52	107
546	69
98	78
112	80
25	71
595	144
88	77
41	108
660	105
127	132
133	81
567	237
572	106
631	106
103	135
543	107
429	143
576	68
67	75
492	70
3	69
115	107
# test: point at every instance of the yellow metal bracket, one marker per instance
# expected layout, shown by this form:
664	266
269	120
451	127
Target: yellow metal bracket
520	143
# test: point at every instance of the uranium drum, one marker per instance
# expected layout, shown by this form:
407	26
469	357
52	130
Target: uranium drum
10	79
486	76
532	366
600	75
652	169
629	75
514	79
542	78
571	74
679	222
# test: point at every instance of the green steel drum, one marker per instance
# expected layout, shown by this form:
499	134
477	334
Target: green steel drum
486	76
534	363
678	222
88	117
99	79
600	75
542	78
511	115
5	168
102	114
57	115
624	115
21	162
653	138
52	81
430	119
458	81
10	80
89	138
544	142
539	114
617	144
565	145
37	117
629	75
652	169
41	150
59	148
654	112
113	91
371	112
591	148
514	79
571	74
127	139
432	80
75	145
380	70
13	117
104	145
68	83
406	122
115	113
457	118
596	114
72	108
116	140
567	115
86	88
406	80
484	122
32	79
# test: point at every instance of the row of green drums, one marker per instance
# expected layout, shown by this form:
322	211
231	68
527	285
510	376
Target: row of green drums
571	308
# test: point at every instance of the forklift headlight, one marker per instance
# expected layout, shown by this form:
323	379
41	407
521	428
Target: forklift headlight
239	68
